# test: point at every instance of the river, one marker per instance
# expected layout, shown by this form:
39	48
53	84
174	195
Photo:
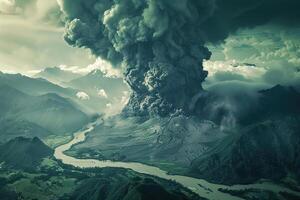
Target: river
199	186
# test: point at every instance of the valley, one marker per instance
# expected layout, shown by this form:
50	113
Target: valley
203	155
201	187
149	100
50	179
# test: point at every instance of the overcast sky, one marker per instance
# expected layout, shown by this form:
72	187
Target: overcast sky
31	38
266	53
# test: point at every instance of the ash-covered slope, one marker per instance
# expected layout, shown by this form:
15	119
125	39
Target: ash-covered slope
263	144
267	150
266	147
170	143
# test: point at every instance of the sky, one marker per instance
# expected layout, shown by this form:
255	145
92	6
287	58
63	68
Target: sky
269	54
31	38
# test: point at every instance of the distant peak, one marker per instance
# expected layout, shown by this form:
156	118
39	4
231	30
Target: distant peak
96	72
28	151
50	69
36	140
24	140
279	89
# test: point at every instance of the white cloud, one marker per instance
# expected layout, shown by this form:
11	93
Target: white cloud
105	67
274	50
31	40
7	6
30	9
263	45
27	45
43	7
125	98
232	66
82	96
102	93
117	105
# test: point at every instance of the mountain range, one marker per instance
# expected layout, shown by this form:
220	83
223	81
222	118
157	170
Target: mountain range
94	91
262	144
37	107
23	114
96	80
102	90
34	86
266	146
56	75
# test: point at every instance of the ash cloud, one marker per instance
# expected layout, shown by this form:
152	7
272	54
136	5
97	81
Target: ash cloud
231	15
160	44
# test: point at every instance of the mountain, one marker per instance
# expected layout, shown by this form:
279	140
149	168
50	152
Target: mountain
93	92
11	128
56	75
34	86
267	147
96	79
280	100
274	102
169	143
24	153
39	86
114	184
50	111
267	150
101	90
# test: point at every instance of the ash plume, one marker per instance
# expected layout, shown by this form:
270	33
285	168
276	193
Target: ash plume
160	44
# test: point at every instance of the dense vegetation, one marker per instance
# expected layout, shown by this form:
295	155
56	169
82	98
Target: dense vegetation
38	176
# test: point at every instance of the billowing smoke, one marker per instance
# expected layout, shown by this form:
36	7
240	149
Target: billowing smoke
160	43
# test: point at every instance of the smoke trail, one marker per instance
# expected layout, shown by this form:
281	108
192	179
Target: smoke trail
160	43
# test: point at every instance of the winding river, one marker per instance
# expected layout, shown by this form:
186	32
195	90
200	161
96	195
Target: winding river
199	186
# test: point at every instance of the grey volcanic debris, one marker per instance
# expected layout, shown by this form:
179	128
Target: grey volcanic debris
159	44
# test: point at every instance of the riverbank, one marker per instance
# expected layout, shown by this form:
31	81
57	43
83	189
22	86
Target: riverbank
199	186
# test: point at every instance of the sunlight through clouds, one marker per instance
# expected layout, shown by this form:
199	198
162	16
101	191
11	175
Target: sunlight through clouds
35	38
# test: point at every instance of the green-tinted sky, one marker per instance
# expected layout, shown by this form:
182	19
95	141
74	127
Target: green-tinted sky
269	53
31	38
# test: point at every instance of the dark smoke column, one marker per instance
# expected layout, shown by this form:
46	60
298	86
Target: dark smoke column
158	44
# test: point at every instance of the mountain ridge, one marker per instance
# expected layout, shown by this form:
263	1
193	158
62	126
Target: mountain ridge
56	75
24	153
50	111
